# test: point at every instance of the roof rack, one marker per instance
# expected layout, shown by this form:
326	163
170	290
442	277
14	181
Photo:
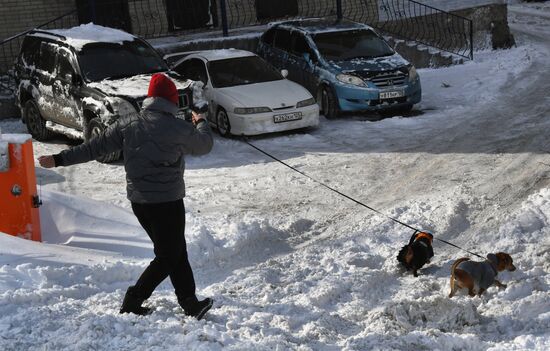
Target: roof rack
40	31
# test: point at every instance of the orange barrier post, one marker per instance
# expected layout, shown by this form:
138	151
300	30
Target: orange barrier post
19	200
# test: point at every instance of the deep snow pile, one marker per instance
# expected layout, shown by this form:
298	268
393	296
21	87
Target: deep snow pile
292	266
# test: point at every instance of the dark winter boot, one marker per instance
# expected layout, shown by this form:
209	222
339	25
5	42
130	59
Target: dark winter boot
195	308
132	303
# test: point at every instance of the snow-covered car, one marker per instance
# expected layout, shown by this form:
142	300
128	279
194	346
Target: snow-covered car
346	65
246	95
78	81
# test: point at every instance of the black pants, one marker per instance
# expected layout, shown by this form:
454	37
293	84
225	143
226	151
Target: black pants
165	225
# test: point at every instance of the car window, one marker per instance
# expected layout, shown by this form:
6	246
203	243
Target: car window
300	46
64	66
354	44
100	61
30	51
241	71
268	37
193	69
46	61
282	39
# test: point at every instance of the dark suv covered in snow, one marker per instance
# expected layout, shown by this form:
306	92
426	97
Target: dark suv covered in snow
78	81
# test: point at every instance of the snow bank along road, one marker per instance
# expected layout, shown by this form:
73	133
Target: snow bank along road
294	267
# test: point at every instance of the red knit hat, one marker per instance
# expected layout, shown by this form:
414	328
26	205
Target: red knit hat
162	86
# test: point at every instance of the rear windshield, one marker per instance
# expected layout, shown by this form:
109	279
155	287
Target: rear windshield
342	46
241	71
100	61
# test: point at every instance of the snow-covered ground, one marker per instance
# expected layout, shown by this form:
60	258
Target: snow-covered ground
294	267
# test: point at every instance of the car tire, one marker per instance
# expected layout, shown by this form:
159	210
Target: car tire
405	109
95	128
36	124
222	123
329	103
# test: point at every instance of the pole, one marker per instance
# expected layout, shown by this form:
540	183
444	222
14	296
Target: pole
339	9
224	18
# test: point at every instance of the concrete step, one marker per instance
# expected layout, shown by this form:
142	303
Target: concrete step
423	56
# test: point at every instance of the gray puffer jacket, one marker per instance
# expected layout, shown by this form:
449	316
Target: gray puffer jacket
154	143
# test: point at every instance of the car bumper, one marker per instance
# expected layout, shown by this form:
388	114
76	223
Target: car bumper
368	99
261	123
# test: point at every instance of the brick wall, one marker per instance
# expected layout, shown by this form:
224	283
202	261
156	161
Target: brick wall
17	16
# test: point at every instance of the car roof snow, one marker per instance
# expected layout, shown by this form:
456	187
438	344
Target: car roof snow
320	25
84	34
223	54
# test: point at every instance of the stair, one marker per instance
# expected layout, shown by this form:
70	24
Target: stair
423	56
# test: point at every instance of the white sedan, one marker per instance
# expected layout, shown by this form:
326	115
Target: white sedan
246	95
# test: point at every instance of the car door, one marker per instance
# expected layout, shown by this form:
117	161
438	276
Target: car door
45	71
65	93
281	47
265	49
302	63
195	69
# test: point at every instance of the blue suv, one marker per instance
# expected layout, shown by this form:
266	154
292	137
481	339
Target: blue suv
346	65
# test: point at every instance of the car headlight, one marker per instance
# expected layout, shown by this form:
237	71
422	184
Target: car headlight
305	103
251	110
349	79
412	73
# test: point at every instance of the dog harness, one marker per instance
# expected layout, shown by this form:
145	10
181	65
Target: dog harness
483	273
424	235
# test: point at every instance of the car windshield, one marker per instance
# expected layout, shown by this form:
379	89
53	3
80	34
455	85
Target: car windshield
100	61
342	46
241	71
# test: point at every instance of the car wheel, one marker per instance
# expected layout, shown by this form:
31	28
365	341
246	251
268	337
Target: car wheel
94	129
329	103
405	109
222	123
36	125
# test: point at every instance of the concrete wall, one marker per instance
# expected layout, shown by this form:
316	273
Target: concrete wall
490	24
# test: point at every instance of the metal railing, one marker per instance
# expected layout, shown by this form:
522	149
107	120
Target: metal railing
406	19
411	20
9	48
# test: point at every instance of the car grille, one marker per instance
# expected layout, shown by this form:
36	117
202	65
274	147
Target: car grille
282	108
384	79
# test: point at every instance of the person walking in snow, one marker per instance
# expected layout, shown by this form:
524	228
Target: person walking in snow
154	144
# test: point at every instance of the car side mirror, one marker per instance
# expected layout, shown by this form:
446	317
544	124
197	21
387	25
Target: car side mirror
284	73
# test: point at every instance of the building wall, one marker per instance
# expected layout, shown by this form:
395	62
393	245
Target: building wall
17	16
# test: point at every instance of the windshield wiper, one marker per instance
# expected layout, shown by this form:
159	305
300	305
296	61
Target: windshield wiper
361	56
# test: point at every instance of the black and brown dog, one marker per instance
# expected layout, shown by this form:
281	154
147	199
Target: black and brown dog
417	253
478	276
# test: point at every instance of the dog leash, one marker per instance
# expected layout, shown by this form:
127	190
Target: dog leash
416	230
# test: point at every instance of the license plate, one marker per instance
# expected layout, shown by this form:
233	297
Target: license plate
391	94
287	117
